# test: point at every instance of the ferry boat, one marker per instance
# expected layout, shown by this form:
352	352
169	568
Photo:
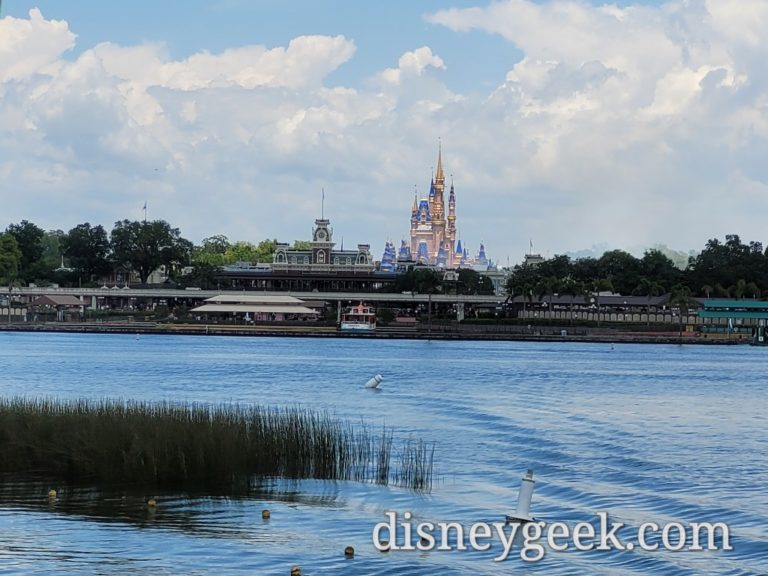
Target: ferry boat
360	318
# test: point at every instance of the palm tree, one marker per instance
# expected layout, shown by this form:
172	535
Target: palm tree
738	289
707	289
573	288
649	288
681	298
752	290
547	286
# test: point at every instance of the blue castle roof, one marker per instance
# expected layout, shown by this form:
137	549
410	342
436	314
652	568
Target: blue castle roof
442	255
388	259
422	254
405	251
424	209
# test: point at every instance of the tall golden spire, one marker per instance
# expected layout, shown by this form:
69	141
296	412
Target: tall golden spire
440	177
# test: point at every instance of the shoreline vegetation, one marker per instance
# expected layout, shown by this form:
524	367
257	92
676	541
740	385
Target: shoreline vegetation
197	446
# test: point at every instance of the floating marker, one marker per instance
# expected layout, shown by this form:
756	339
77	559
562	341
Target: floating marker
265	514
349	552
375	381
523	510
52	494
151	502
295	570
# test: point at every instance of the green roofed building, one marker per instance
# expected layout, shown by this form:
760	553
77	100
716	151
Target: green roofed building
738	316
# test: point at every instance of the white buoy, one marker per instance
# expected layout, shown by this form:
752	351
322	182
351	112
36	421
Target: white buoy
375	381
523	510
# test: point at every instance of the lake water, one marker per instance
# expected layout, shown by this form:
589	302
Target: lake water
645	433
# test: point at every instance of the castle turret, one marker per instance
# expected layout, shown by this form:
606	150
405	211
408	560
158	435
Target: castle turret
404	254
450	233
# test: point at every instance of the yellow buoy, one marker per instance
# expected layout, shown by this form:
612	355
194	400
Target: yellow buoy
151	502
265	514
349	552
295	571
385	545
51	493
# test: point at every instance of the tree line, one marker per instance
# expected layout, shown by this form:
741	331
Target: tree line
723	269
87	253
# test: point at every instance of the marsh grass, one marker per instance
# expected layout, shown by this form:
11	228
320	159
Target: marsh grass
178	445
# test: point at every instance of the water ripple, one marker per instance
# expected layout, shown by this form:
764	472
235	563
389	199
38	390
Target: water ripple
645	433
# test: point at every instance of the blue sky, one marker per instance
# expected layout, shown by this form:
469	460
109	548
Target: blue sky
382	31
568	122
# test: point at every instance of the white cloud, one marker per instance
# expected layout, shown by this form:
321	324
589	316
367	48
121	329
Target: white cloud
626	125
413	63
633	122
34	46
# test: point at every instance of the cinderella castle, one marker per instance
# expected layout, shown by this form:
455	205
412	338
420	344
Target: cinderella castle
433	239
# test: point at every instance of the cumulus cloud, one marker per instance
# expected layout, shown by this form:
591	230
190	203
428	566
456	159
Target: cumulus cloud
625	125
412	63
631	122
34	46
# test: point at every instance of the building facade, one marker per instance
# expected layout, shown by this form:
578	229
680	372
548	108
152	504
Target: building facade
433	234
322	256
433	224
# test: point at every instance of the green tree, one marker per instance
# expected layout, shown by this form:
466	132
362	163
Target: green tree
738	289
144	246
302	245
752	290
29	239
659	270
87	249
203	276
472	282
52	250
621	268
212	251
242	251
726	263
10	258
265	251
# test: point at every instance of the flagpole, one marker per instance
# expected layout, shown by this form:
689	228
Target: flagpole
322	205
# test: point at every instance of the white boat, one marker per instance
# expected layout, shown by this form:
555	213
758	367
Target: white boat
360	318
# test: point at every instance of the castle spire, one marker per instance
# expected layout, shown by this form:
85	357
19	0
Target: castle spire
440	177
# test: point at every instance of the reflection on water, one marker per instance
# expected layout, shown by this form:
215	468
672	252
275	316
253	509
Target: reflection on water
646	433
189	512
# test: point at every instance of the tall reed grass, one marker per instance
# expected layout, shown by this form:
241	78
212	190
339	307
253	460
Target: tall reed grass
175	445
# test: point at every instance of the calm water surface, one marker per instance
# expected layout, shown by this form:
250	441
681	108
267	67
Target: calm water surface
646	433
